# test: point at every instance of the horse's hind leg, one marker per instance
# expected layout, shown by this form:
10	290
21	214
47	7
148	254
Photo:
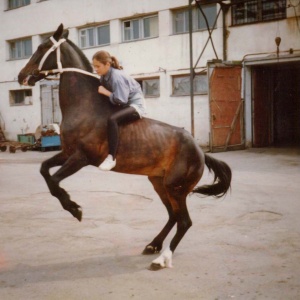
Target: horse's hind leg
178	183
156	245
183	224
70	166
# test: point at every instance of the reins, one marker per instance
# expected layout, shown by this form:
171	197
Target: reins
60	69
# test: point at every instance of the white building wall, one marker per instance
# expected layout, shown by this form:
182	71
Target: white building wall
260	37
163	56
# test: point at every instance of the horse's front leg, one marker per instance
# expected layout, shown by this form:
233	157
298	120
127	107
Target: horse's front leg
70	165
55	161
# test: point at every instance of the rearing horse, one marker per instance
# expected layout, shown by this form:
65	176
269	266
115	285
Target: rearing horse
168	155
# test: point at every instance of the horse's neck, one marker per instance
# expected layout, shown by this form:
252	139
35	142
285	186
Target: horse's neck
72	59
80	92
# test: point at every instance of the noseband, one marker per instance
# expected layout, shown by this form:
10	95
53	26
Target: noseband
60	69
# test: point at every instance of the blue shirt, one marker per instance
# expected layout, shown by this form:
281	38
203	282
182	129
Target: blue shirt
124	89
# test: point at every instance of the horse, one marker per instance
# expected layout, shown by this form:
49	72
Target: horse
168	155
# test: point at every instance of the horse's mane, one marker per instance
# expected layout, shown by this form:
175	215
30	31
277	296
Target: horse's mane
82	56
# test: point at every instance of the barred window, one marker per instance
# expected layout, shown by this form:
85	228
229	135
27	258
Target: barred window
250	11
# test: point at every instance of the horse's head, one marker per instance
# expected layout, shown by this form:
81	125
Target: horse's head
43	59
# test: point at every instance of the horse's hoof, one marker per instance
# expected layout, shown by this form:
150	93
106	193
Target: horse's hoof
78	216
155	267
77	213
163	261
150	250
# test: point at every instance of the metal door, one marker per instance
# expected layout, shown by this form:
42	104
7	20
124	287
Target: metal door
226	108
50	105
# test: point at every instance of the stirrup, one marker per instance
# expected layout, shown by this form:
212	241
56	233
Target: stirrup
108	163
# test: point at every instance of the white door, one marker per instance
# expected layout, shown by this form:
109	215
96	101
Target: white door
50	104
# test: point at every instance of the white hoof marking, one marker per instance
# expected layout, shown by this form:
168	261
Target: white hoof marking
165	259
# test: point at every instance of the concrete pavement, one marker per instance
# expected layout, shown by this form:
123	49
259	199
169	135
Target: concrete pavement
245	246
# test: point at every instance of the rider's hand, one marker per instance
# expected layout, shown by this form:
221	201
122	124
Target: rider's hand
102	90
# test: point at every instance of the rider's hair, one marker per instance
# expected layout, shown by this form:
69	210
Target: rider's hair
104	57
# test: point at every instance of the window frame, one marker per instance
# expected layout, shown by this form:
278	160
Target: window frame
141	28
95	36
143	82
197	18
13	4
20	97
17	49
200	91
244	7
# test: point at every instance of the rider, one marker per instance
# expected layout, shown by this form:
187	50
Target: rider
122	90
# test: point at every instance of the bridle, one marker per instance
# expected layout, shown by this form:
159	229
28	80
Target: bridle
60	69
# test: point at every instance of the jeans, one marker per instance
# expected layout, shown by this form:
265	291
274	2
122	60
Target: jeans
125	115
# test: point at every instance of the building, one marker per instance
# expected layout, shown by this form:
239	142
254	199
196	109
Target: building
245	58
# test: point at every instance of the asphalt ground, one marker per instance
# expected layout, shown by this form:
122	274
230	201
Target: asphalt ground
245	246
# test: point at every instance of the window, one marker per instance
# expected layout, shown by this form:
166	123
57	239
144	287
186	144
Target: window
20	97
20	48
17	3
250	11
181	85
94	36
181	18
150	87
141	28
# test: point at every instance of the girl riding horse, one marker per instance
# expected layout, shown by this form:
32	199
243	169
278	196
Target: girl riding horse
168	155
121	90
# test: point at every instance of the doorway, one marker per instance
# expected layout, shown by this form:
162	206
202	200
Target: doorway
276	105
50	104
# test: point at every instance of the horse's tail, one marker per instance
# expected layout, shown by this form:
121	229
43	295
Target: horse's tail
222	178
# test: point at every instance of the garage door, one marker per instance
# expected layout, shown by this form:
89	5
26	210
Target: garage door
226	108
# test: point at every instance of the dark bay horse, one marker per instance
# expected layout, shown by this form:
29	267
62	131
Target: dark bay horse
168	155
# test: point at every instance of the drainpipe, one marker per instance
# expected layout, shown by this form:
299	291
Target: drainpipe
191	66
224	8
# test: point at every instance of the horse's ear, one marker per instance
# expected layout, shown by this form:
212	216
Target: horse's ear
66	34
58	33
